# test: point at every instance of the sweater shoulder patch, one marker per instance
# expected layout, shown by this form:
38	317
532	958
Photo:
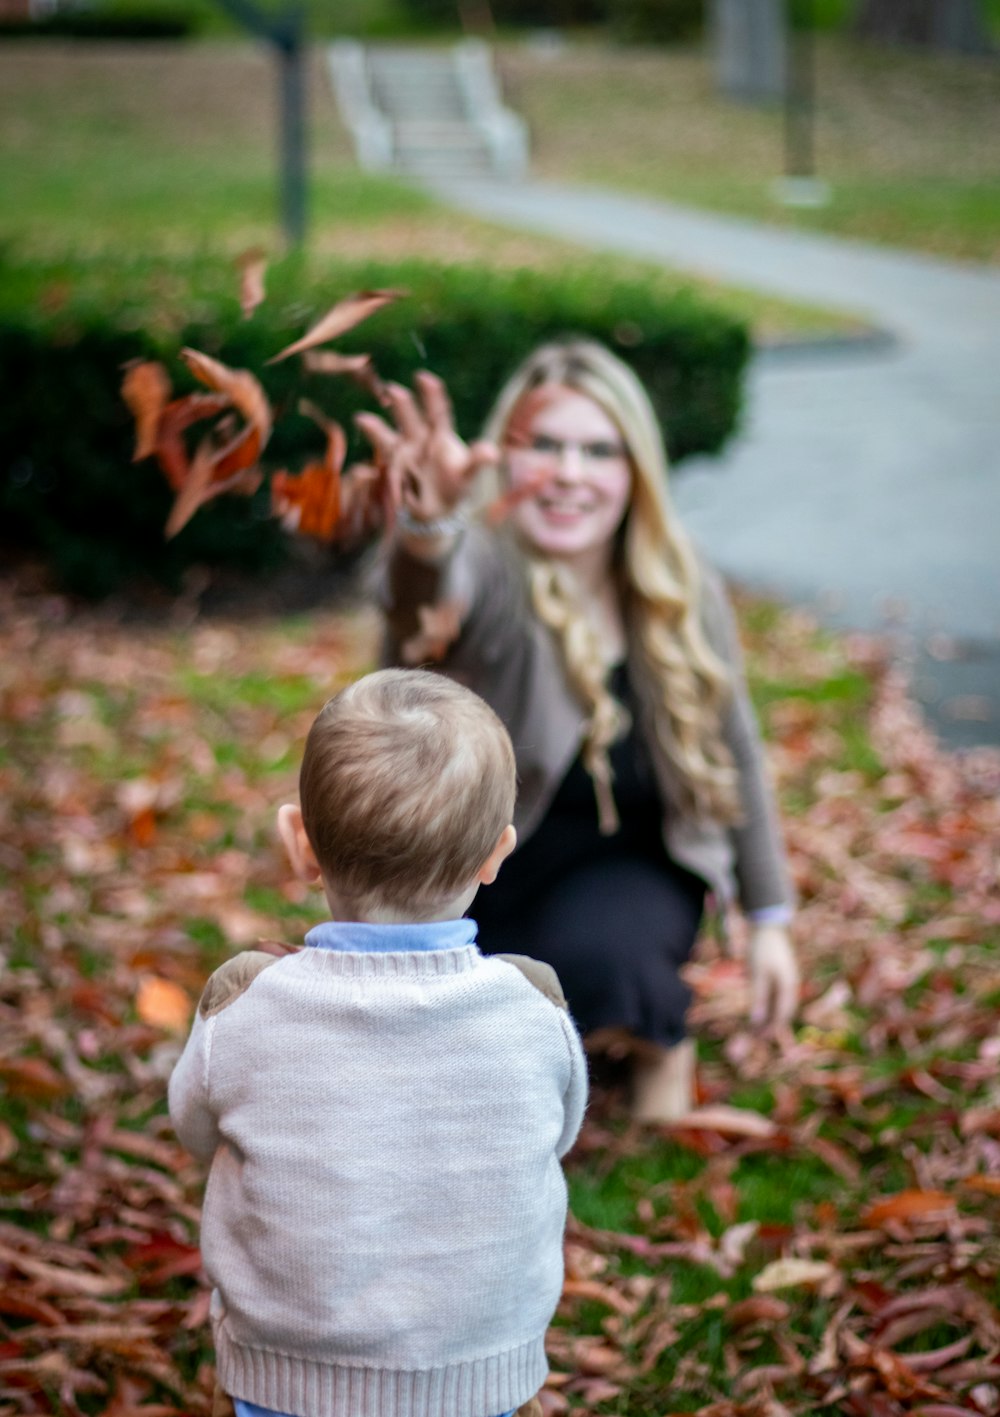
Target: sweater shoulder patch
232	979
541	975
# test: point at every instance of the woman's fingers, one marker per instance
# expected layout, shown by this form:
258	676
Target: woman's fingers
403	407
774	976
382	437
482	454
436	401
786	993
760	996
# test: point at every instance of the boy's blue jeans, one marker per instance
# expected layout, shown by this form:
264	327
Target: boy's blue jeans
249	1409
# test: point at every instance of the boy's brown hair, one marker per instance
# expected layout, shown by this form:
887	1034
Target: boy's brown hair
407	782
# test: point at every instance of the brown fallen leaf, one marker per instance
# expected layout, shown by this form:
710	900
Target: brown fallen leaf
728	1121
343	316
907	1205
163	1004
793	1273
33	1077
55	1279
600	1294
760	1309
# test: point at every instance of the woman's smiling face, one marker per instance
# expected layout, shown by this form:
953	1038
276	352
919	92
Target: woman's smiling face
569	459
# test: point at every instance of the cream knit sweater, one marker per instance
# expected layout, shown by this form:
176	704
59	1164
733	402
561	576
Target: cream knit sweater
385	1207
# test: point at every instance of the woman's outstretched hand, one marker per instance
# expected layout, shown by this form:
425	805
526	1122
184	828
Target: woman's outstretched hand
774	976
427	466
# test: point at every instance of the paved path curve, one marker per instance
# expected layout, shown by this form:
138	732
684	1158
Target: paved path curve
865	483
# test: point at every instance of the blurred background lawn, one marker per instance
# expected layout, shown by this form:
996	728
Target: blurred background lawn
174	142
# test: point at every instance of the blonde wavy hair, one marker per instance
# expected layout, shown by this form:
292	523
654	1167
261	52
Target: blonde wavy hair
660	587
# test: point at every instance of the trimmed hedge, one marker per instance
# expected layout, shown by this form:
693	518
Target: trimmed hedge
658	21
69	490
99	24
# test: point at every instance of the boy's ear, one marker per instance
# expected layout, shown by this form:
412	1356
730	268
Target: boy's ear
506	842
300	854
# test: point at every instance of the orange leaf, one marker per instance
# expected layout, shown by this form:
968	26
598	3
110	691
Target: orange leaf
170	450
163	1004
252	266
310	502
347	313
989	1185
142	827
907	1205
193	493
146	391
244	392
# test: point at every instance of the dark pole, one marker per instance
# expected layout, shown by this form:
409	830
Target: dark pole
293	128
800	92
286	33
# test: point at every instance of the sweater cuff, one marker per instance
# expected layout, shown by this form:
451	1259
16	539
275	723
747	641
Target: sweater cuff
771	915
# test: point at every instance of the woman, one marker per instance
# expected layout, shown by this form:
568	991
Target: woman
609	650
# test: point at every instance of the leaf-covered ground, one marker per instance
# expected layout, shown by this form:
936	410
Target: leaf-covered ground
830	1247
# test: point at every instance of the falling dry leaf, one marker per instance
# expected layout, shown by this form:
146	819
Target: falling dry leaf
360	367
146	391
252	266
344	316
245	394
310	502
439	628
225	462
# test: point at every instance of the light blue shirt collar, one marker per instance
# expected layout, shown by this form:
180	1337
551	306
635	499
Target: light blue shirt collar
363	937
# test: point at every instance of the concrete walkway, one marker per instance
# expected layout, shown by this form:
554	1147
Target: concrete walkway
865	483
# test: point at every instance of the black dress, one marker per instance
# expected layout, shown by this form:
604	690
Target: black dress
613	915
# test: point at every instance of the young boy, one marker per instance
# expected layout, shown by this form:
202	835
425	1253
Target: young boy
384	1110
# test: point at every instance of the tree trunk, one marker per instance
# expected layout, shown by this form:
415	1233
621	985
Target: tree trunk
956	25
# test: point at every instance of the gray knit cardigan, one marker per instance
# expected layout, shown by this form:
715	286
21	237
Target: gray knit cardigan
512	660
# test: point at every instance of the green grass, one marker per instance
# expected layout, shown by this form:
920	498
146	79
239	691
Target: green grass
905	139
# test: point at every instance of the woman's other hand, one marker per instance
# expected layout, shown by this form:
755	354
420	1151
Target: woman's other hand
428	468
775	979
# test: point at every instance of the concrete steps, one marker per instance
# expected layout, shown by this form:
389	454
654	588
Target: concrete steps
427	113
